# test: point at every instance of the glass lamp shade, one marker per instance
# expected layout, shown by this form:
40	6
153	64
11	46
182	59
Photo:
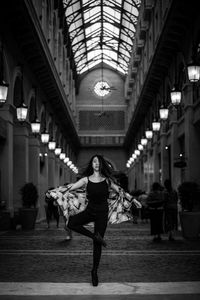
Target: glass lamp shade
156	126
164	112
134	156
131	160
45	137
140	147
62	156
35	126
144	142
149	134
69	163
52	145
66	160
137	152
193	72
71	166
3	92
58	151
175	97
22	112
128	165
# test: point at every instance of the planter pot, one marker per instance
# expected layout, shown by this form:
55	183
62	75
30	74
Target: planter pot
5	221
28	218
190	224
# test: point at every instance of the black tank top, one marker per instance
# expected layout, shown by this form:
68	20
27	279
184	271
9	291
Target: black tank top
97	194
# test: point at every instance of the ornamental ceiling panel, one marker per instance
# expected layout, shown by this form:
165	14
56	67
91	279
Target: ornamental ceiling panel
101	31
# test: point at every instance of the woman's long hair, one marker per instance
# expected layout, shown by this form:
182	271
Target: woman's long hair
104	168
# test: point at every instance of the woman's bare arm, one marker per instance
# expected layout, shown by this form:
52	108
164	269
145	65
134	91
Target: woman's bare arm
81	182
114	186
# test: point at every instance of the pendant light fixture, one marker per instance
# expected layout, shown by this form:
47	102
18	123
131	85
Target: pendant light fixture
35	125
58	151
164	112
155	125
3	84
23	108
144	141
149	134
45	134
175	96
52	145
193	68
176	93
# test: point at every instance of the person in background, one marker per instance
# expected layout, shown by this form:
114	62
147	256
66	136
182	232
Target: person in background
135	211
171	209
144	210
155	204
51	209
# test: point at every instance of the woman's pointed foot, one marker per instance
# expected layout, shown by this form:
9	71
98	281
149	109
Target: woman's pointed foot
95	279
99	239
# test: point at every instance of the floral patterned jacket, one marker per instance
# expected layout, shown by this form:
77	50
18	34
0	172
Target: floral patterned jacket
76	201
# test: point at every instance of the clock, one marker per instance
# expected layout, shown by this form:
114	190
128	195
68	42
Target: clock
102	88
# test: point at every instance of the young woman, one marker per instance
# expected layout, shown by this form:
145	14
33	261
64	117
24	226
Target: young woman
102	205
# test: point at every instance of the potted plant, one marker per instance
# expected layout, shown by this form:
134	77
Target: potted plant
5	220
28	212
189	195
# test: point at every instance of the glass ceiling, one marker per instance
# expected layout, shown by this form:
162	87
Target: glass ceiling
101	31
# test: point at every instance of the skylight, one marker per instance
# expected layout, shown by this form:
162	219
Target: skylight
101	31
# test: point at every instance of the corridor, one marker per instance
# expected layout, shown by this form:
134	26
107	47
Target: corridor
42	264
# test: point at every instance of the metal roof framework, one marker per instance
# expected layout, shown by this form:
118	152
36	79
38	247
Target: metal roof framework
101	31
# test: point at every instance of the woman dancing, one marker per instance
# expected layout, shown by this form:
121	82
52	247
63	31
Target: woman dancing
98	182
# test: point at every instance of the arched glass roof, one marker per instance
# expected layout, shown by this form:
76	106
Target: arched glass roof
101	31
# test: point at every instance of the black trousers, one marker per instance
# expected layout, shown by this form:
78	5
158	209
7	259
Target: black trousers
100	220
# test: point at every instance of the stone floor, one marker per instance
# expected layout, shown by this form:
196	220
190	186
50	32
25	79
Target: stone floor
42	264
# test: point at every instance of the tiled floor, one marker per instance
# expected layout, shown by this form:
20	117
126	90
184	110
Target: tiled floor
41	264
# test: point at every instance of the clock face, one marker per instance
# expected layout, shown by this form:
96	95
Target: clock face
102	88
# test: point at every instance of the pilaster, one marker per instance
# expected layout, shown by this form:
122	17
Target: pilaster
164	155
20	160
51	173
192	140
34	160
6	157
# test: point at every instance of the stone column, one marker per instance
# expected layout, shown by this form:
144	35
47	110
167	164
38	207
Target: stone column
192	140
20	160
62	177
34	160
164	155
6	156
155	159
43	182
66	174
57	171
175	172
51	171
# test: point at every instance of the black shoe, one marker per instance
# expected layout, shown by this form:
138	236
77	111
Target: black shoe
99	239
95	279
